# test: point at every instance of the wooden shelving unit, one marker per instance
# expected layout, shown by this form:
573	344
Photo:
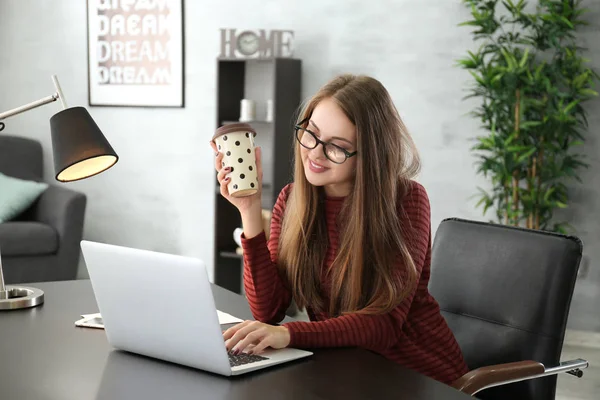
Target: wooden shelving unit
276	79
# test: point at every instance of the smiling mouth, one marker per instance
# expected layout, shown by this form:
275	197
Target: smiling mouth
315	165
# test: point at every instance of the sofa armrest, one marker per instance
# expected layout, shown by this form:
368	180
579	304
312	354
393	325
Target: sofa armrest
502	374
64	210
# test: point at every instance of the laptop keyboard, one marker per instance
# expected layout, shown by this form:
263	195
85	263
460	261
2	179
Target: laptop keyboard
243	359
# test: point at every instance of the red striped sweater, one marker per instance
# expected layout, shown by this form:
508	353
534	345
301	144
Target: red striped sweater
414	334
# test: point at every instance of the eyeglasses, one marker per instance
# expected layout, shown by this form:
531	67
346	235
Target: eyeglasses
309	140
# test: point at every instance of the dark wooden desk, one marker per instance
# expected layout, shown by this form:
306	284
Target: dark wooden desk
44	356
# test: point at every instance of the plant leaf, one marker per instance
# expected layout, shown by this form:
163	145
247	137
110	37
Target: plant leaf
470	23
530	124
478	78
524	59
567	22
571	105
526	156
588	92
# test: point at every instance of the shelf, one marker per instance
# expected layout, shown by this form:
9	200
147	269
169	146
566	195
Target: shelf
230	254
254	59
246	122
278	80
266	202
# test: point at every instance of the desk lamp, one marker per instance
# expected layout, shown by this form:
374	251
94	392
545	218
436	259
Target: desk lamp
80	150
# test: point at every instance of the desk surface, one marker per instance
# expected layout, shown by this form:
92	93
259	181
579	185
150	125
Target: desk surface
44	356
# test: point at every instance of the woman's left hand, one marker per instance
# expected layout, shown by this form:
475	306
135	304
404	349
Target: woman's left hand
253	337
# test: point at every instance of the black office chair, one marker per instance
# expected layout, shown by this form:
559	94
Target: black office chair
505	293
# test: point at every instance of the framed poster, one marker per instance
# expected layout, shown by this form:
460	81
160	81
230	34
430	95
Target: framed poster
135	53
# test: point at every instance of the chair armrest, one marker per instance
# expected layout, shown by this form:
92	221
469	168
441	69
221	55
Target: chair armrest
502	374
64	210
493	375
60	208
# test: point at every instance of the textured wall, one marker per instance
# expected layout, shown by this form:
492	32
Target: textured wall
160	194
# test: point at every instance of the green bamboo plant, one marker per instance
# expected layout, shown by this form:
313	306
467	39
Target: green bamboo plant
533	82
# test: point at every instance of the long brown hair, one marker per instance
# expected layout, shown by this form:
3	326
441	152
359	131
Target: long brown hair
365	277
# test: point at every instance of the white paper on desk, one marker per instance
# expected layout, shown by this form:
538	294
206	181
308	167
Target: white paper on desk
92	320
225	318
96	315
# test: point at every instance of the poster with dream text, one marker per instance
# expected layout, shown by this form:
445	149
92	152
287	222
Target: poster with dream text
135	53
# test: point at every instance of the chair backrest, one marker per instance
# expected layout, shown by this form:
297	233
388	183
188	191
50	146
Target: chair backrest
21	157
505	293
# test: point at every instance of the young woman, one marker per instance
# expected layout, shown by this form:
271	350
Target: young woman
350	239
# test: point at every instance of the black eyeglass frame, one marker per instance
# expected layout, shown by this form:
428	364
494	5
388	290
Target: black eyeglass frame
299	127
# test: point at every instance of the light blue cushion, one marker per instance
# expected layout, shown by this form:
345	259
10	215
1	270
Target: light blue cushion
16	195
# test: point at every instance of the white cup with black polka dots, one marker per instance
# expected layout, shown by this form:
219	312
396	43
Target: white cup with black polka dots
236	142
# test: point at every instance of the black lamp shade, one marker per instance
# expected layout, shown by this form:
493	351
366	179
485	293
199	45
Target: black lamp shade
80	149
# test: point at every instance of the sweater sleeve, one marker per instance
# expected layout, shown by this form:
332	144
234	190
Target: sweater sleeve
375	332
267	294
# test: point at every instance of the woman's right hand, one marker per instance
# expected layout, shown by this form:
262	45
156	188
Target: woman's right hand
243	204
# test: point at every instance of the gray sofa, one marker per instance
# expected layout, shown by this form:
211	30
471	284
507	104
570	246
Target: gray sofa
42	244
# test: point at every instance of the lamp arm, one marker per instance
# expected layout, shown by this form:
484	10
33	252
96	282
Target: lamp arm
56	96
29	106
3	294
59	91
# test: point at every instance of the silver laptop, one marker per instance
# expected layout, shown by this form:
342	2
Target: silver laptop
161	305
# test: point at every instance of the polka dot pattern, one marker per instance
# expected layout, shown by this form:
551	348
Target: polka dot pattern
238	146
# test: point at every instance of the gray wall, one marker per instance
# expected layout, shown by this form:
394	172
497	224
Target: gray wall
584	210
160	194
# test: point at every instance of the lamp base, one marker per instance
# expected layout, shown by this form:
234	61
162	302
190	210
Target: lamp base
16	297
